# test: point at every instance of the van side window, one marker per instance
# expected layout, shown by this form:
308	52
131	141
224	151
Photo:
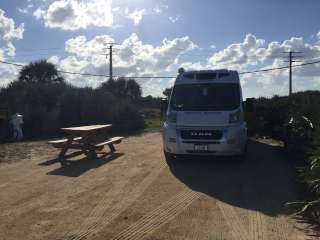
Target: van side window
188	75
222	75
206	76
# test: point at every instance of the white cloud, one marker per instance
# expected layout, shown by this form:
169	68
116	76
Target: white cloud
8	30
8	73
23	10
238	55
132	58
254	53
157	10
136	58
76	14
10	49
308	53
136	15
160	8
2	52
54	59
39	13
90	49
26	9
174	19
191	66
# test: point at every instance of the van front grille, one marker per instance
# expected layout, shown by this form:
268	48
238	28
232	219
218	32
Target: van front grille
202	134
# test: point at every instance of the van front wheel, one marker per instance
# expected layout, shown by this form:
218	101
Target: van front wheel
168	156
240	158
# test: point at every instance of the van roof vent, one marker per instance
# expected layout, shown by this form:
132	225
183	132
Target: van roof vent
222	75
206	76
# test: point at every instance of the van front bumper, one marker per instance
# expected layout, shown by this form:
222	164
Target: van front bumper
233	141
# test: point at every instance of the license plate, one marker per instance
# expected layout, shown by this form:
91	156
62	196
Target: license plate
200	147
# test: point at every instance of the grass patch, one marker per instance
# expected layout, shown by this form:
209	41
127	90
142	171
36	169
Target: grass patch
153	124
152	119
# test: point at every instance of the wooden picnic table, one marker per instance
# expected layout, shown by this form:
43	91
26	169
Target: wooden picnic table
86	139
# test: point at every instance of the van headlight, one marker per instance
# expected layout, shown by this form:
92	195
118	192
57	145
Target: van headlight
172	117
236	116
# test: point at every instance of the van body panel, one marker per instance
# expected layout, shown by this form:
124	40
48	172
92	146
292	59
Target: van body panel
203	119
205	115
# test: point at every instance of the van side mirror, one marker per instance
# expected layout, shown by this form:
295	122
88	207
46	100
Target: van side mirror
249	105
163	107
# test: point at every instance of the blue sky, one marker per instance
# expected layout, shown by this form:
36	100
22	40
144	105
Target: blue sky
157	37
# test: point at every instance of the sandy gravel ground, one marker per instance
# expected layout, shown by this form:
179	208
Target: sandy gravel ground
137	194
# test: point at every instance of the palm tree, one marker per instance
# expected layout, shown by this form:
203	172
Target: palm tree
167	92
123	88
40	72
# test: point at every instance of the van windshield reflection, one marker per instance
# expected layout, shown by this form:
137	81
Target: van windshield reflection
206	97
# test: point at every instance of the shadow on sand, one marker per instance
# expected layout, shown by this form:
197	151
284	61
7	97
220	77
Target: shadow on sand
264	182
78	167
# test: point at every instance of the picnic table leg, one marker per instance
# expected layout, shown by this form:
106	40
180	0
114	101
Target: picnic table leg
112	149
91	153
87	147
61	157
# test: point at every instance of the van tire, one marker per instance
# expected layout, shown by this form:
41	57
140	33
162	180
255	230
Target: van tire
242	157
168	156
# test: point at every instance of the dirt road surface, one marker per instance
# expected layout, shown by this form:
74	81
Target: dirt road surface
137	194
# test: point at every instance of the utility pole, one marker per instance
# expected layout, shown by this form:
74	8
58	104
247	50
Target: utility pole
290	73
110	62
291	60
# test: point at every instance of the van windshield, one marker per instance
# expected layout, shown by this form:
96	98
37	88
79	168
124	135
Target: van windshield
206	97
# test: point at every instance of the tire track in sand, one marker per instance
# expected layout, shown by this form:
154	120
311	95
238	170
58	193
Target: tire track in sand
238	230
257	225
260	226
58	192
158	217
281	229
106	211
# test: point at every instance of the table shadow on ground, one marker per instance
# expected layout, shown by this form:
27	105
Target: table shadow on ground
75	168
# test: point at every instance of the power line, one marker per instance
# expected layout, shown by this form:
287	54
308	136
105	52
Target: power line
178	55
14	64
263	70
167	77
90	74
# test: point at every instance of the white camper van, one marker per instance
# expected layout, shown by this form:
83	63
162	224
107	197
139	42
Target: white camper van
205	115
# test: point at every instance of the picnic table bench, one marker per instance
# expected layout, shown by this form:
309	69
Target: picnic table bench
86	139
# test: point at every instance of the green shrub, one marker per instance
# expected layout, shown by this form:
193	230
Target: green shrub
272	115
298	135
48	107
310	175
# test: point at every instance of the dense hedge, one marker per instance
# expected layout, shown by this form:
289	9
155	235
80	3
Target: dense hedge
48	107
272	115
296	121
